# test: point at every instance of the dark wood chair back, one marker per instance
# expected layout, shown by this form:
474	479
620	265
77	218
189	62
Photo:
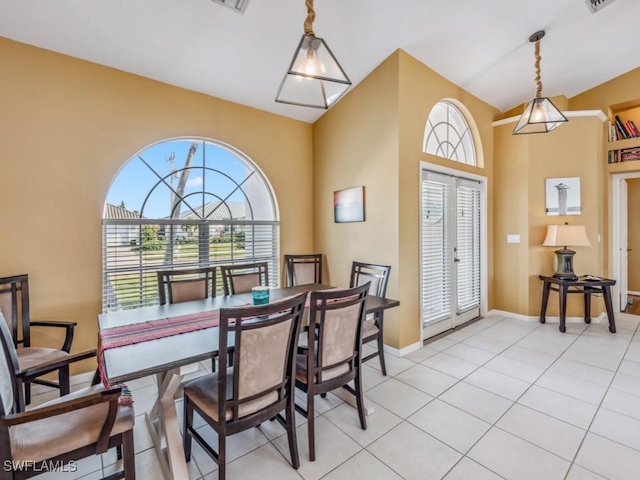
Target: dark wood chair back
257	385
303	269
185	285
243	277
333	358
14	303
373	328
377	275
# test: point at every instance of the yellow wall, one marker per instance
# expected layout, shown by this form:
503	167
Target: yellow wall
373	137
633	211
522	164
67	126
420	89
356	143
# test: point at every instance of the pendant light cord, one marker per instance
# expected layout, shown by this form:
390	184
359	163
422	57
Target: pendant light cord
538	78
311	15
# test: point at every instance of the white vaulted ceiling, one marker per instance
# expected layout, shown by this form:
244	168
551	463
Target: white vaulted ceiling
201	45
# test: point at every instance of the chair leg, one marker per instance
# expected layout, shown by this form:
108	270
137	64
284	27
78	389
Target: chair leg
311	425
360	399
222	455
186	434
291	433
63	380
383	367
129	455
27	393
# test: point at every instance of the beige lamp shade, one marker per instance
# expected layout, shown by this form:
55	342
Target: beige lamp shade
566	236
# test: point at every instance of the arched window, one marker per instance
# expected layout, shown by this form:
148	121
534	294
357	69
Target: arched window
183	203
448	135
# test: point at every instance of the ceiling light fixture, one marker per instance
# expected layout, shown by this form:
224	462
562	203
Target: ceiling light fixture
315	78
540	115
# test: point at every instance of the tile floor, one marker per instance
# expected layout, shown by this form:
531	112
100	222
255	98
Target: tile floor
500	398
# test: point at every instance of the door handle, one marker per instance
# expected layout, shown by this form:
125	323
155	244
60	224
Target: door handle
456	260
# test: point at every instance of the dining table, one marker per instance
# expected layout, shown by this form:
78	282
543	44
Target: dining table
172	357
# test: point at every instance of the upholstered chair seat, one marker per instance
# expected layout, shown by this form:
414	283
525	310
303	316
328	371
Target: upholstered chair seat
53	436
369	329
301	372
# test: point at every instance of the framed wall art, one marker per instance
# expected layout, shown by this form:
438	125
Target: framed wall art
348	205
563	196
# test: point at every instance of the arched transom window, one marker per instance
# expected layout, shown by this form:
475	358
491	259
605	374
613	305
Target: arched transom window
448	135
183	203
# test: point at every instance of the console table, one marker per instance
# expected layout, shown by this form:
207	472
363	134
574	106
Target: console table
582	286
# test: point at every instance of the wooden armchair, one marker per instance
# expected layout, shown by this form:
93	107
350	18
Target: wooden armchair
373	329
87	422
242	278
258	387
333	358
303	269
35	361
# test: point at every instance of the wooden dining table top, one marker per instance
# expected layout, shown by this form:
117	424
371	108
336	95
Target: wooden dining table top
138	360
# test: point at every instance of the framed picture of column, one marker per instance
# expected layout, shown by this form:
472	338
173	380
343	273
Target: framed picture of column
563	196
348	205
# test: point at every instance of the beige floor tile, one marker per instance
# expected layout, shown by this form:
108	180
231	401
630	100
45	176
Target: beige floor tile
333	447
571	386
608	459
427	379
470	354
475	401
263	463
467	469
362	465
573	411
450	425
622	402
542	430
345	417
513	458
498	383
413	454
617	427
399	398
452	366
515	368
576	472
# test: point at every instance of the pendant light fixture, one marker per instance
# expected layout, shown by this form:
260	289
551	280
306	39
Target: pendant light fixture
315	78
540	115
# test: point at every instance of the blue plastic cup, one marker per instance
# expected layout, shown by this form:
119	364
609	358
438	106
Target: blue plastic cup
260	295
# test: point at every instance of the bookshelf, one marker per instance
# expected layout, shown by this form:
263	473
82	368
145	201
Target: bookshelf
624	136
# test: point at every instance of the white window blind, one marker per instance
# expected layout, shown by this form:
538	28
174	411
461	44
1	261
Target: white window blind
184	203
468	248
436	257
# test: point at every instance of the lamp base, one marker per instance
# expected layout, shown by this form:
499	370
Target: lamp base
565	264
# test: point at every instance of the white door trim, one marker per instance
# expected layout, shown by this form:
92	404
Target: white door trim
484	274
616	212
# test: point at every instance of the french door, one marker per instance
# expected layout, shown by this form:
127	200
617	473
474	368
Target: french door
451	220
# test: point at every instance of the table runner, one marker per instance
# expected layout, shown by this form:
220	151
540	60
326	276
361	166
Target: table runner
151	330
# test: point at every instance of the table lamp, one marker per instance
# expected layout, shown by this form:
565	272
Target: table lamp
566	236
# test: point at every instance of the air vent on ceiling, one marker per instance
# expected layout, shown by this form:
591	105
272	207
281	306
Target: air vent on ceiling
597	5
238	5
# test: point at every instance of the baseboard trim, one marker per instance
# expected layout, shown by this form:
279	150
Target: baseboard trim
402	351
633	293
536	318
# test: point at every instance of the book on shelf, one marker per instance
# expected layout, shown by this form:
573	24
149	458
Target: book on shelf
634	129
621	129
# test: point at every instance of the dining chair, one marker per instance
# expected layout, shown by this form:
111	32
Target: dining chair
185	285
333	358
258	387
303	269
377	276
69	428
242	278
35	362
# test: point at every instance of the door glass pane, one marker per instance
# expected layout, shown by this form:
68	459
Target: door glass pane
468	248
436	257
